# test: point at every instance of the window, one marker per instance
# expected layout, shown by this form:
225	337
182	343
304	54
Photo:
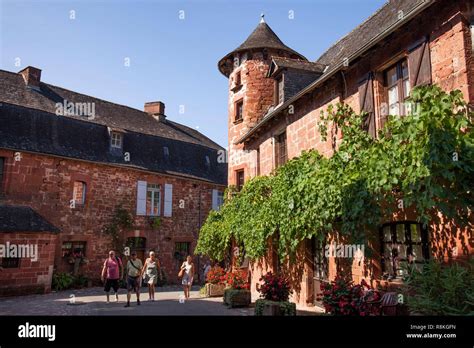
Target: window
398	88
239	111
10	262
220	198
79	192
239	179
281	152
116	140
238	79
153	200
320	261
166	151
402	243
2	163
279	90
181	250
208	162
73	249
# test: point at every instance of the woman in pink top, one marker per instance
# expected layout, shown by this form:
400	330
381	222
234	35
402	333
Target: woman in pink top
113	270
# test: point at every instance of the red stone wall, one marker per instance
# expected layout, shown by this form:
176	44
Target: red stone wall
45	183
452	68
31	276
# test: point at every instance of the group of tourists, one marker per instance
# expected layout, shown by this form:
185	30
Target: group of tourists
135	271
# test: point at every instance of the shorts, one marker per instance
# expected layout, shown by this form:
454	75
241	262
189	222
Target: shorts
132	283
111	283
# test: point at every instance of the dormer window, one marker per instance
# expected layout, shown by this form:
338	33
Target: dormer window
116	140
279	90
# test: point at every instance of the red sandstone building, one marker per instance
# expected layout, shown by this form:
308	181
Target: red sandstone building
67	161
276	96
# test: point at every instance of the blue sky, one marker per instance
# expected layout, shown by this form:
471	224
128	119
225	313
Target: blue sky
171	59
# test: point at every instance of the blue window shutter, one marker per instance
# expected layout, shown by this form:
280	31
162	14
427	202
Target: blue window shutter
168	211
214	200
141	197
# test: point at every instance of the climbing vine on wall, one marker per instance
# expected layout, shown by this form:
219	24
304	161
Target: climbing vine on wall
120	221
424	162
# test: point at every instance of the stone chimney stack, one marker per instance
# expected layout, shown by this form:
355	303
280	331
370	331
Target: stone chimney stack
156	110
32	76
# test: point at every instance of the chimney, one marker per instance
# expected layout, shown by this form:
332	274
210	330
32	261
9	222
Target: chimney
156	110
32	76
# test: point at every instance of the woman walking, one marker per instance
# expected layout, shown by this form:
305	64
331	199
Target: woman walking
187	268
151	269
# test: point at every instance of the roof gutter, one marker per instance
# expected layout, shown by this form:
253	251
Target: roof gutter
409	16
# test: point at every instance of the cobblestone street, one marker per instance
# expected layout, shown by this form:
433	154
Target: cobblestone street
91	301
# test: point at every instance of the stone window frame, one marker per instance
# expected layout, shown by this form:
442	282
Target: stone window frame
381	91
82	202
276	146
237	81
320	260
70	251
153	189
238	118
399	84
239	172
406	243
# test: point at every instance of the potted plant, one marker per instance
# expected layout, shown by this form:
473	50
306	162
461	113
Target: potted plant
237	293
215	282
275	292
343	297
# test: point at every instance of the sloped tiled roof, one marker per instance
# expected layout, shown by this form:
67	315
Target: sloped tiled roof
262	37
28	122
281	62
385	17
14	91
23	219
393	14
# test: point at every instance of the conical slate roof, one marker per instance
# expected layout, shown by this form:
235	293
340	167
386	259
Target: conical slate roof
262	37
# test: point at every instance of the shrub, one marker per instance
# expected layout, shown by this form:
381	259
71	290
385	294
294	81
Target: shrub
342	297
216	275
62	281
274	288
440	289
237	280
80	281
286	308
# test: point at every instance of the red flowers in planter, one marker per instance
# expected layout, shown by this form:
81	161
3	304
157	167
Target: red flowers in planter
342	297
237	280
216	275
275	288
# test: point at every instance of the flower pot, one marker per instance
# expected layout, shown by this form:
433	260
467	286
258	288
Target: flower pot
274	308
236	297
214	290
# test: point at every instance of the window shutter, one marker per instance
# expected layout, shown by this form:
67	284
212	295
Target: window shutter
366	102
141	198
168	211
419	65
214	200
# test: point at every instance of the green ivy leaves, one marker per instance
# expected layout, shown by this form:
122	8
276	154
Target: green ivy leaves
425	159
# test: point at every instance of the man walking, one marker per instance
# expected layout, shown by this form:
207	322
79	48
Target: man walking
133	270
112	272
